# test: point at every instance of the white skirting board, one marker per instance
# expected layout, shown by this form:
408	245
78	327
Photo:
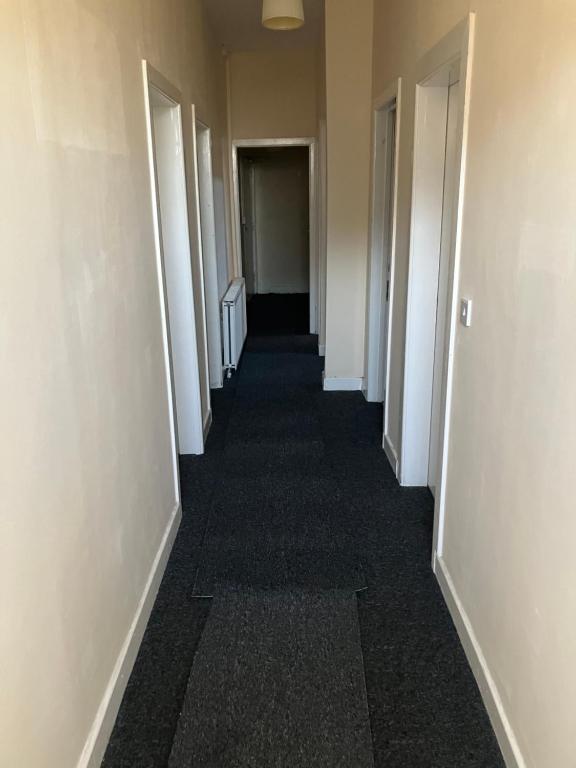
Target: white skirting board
343	385
492	701
99	734
391	454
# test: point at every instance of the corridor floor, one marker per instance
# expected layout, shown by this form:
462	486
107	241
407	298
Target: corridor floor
298	623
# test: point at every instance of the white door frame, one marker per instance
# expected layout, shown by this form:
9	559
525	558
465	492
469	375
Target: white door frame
322	234
384	210
312	216
204	188
432	81
158	89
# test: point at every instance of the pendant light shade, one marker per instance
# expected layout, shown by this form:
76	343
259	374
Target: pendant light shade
282	14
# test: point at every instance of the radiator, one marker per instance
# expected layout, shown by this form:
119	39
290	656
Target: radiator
234	323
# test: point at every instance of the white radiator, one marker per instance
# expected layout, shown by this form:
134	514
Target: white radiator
234	323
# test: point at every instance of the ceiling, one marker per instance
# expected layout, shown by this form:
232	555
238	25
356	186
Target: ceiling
238	27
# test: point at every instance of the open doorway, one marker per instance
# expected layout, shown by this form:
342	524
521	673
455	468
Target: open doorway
276	247
170	217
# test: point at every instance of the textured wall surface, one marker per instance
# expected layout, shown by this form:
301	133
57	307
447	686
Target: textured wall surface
348	98
273	94
510	519
85	459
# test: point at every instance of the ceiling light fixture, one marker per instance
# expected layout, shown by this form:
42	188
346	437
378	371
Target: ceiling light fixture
282	14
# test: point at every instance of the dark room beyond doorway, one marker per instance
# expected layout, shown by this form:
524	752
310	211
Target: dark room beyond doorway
275	227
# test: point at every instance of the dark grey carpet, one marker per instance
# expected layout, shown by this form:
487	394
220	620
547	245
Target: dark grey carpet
292	472
279	518
277	681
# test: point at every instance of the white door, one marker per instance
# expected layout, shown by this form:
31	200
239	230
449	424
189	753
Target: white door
247	219
176	270
389	213
381	255
207	237
446	245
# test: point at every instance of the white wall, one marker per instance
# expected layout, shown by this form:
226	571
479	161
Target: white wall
281	183
85	455
348	97
273	93
510	522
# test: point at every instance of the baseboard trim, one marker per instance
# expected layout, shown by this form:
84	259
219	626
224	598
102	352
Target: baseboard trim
498	717
322	350
99	733
207	424
391	454
343	385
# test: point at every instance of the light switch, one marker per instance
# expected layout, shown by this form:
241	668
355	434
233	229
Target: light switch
466	312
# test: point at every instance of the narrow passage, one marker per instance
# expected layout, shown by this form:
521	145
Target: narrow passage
299	623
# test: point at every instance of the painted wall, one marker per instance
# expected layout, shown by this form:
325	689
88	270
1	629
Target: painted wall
85	456
510	511
273	94
281	221
348	98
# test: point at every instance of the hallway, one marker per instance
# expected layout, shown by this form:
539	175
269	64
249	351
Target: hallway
358	550
299	623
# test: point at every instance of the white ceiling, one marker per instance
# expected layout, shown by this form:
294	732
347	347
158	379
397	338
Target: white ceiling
238	27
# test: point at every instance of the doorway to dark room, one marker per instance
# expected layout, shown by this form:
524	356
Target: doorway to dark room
274	204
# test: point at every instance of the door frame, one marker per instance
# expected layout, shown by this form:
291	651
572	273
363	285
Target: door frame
312	213
321	162
384	209
155	84
248	168
206	235
431	84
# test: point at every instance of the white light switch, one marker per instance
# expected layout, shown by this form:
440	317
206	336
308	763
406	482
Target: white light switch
466	312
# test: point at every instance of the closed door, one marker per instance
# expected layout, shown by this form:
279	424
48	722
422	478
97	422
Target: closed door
446	246
247	214
388	214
